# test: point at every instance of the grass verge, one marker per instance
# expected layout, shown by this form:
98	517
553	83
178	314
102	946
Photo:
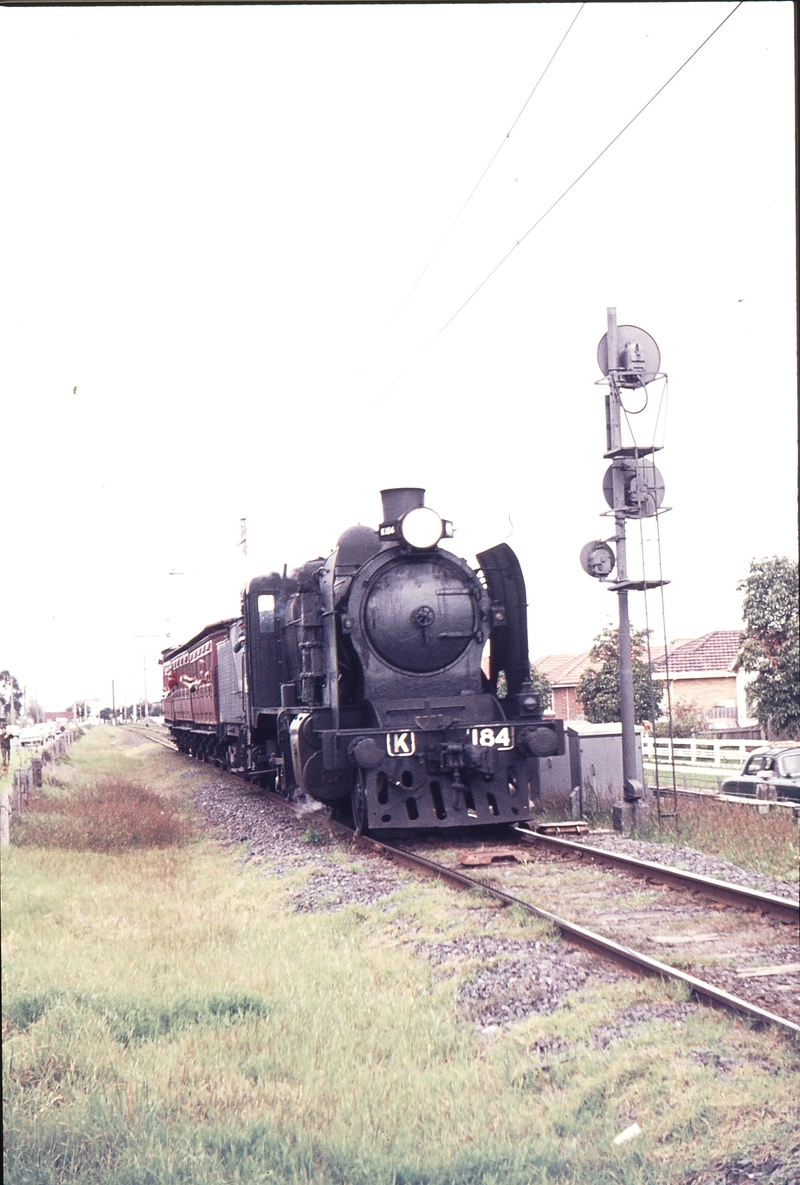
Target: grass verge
169	1017
768	843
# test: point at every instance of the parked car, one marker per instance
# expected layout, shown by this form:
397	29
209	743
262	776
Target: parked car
32	736
775	765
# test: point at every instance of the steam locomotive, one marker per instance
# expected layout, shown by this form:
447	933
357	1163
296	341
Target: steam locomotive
369	680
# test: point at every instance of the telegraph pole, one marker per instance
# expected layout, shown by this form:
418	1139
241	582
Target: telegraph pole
146	714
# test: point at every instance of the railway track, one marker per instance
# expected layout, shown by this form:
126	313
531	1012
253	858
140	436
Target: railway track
527	870
782	908
673	913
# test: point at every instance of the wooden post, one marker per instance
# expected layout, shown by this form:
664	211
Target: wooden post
5	811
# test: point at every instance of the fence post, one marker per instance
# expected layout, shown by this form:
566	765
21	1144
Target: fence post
765	795
5	811
36	772
22	780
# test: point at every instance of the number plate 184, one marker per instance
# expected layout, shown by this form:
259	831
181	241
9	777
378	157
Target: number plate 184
492	738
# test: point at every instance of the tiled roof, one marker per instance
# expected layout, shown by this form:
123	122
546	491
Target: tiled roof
716	651
563	670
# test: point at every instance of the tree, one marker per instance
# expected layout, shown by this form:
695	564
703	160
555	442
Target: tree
543	688
35	710
540	683
598	689
9	687
771	643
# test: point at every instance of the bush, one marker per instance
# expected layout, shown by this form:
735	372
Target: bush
112	816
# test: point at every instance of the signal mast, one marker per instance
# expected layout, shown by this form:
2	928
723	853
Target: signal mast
633	488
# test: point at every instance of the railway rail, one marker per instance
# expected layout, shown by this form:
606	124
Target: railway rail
783	908
572	932
718	892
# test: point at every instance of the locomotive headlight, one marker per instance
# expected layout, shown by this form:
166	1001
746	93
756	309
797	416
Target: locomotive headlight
421	527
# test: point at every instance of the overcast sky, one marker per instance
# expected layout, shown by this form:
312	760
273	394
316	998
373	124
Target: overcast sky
210	217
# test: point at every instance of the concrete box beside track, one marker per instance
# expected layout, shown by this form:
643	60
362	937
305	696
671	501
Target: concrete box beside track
592	762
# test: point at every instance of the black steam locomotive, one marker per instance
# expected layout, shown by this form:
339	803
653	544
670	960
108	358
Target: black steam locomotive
369	680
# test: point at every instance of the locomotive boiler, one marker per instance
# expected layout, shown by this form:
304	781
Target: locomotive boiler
369	680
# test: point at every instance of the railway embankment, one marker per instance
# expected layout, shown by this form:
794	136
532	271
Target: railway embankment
237	994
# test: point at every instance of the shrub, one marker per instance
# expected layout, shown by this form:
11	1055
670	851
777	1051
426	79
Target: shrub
111	816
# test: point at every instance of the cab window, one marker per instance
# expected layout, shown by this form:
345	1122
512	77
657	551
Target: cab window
266	613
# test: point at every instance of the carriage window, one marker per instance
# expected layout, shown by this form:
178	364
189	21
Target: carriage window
266	613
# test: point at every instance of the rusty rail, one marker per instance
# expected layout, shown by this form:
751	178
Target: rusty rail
780	907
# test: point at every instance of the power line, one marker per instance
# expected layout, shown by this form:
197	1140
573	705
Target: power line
551	207
471	193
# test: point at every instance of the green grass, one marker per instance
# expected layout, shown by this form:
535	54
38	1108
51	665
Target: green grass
168	1017
687	778
768	843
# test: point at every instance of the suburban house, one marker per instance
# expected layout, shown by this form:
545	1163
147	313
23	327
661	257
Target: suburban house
702	670
698	669
564	672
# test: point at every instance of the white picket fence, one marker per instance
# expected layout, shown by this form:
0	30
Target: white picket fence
713	754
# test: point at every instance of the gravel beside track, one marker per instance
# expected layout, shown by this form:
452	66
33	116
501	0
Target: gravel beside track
771	1171
690	860
286	840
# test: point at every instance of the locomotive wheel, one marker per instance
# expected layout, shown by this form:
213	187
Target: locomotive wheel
358	801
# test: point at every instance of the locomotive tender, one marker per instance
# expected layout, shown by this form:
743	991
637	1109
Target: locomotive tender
365	680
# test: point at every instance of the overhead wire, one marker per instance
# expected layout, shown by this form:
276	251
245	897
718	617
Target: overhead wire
472	191
549	209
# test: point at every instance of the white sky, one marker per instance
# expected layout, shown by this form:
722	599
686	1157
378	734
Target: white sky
210	216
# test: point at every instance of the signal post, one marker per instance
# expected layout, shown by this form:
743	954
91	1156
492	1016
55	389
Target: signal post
633	488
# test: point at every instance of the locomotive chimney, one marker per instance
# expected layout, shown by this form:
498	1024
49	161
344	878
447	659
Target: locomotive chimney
398	502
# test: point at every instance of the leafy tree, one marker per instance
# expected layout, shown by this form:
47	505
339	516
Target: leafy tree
598	689
541	685
771	643
106	714
543	688
9	687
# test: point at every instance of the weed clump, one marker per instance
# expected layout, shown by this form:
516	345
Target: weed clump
109	817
